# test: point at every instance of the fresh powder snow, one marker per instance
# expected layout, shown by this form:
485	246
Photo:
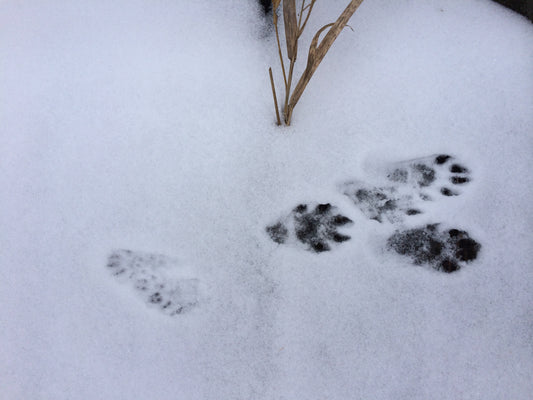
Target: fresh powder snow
162	238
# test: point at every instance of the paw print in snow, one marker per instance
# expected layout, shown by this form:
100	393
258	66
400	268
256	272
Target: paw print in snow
438	173
444	250
317	228
151	277
378	203
409	185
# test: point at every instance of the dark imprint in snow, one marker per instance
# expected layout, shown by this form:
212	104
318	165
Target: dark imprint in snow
425	172
444	250
315	228
148	274
411	184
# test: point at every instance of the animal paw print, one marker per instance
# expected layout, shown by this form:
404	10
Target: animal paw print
410	184
440	173
315	227
378	203
151	277
444	250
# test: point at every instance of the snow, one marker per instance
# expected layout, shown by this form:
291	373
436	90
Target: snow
149	126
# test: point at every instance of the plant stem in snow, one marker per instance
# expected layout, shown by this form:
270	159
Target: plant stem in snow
275	97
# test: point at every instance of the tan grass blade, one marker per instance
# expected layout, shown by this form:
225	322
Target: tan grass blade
291	28
275	5
310	8
317	52
278	119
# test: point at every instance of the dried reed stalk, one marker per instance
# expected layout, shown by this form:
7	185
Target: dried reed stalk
300	26
294	26
275	5
291	28
291	40
317	52
275	97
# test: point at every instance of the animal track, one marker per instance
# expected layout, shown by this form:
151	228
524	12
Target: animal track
410	183
317	229
378	203
151	277
430	172
444	250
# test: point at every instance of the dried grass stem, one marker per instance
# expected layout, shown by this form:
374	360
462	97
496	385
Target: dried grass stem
294	28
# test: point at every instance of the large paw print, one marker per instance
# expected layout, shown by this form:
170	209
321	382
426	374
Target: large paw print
317	228
151	277
444	250
410	184
438	173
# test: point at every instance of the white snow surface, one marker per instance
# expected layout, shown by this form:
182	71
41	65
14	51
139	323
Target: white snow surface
149	125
